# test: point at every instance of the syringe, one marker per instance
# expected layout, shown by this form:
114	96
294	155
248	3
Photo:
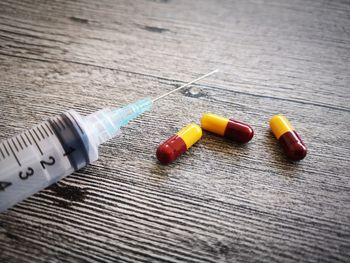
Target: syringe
53	149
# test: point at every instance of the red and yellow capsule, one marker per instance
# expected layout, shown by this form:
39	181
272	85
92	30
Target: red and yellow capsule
228	128
179	143
291	143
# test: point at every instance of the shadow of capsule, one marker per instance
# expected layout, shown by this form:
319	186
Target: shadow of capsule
159	170
224	146
163	170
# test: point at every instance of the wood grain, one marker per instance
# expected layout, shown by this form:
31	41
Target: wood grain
220	202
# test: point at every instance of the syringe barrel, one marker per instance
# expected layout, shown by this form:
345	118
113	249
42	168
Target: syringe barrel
39	157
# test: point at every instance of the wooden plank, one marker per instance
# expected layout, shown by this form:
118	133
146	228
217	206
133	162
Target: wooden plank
220	202
252	56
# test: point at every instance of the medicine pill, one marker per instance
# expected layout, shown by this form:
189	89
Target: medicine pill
228	128
179	143
291	143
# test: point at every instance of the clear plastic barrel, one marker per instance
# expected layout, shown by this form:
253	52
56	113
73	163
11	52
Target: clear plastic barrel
41	156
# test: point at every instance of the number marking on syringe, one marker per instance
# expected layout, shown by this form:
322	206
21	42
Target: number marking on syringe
51	162
32	138
28	173
4	185
20	142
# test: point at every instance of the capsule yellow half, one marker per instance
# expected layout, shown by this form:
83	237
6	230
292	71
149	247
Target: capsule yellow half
280	125
214	123
190	134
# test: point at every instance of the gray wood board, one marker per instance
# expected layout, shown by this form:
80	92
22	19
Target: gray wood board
219	202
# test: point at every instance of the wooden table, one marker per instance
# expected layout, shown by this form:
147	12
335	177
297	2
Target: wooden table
220	202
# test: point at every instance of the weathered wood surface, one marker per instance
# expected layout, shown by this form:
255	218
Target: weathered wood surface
220	202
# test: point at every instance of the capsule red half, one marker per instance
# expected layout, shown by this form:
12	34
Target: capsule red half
179	143
290	141
228	128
